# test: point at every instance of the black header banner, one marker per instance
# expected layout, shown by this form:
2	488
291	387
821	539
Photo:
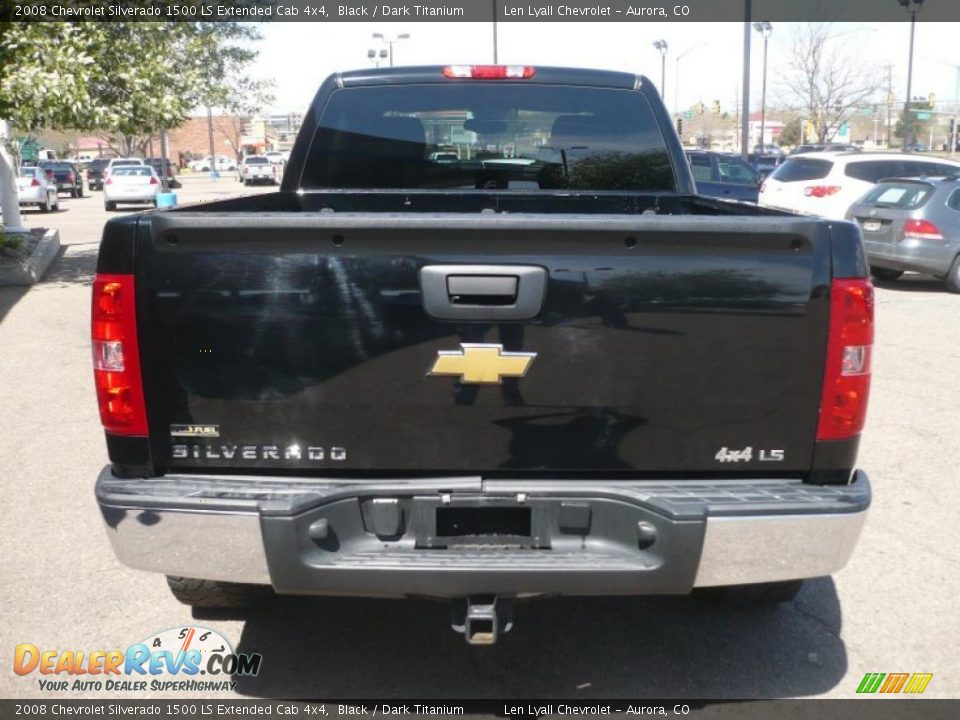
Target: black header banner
482	10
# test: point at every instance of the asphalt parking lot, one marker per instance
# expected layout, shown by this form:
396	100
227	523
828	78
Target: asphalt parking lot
893	609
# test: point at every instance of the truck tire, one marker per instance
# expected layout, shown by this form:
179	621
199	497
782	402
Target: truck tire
109	206
885	274
216	594
758	594
46	205
952	279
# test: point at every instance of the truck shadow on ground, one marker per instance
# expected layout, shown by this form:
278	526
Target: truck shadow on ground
73	264
560	648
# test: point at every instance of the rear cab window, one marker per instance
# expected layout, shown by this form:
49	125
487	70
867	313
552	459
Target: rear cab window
256	161
482	135
798	169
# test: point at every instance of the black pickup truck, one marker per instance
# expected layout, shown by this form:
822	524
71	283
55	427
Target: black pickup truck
544	366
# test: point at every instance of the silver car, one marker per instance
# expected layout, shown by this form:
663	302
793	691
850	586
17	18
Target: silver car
912	224
34	187
130	184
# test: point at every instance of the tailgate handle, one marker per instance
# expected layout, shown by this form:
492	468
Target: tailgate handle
482	292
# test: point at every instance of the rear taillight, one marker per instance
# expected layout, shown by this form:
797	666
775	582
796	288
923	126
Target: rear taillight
820	191
489	72
116	357
71	177
846	380
763	186
921	230
108	181
35	183
153	180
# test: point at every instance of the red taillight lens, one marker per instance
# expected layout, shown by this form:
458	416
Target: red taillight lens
108	181
71	177
116	357
489	72
921	230
153	180
820	191
846	380
35	183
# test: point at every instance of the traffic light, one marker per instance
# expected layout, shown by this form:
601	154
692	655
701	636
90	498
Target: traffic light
700	108
716	107
953	125
838	106
932	101
679	126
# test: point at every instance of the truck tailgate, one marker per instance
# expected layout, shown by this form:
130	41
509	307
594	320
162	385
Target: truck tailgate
300	342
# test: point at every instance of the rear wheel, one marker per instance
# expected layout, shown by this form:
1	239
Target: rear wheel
757	594
953	277
46	205
80	192
110	206
885	274
215	594
74	193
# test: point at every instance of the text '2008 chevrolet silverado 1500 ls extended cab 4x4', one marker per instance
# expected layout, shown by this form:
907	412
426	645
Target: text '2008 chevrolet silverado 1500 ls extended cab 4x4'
540	366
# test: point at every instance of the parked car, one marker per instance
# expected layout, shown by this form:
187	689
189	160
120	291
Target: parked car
34	187
562	376
223	164
826	184
158	164
95	170
121	162
277	157
765	164
256	168
131	184
723	176
767	150
912	224
66	176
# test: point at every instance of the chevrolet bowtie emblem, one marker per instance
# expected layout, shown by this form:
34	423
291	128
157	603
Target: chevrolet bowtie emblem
480	363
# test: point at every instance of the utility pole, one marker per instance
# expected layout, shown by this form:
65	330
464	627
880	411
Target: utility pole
889	103
913	7
213	156
745	120
494	32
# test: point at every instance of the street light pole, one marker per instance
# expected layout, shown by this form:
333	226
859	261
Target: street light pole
765	29
745	118
913	7
390	43
662	46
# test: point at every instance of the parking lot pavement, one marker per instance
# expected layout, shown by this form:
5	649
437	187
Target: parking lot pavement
891	610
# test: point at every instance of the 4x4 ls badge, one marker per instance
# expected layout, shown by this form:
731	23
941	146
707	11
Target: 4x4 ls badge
481	363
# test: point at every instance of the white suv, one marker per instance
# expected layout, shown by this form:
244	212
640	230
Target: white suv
828	183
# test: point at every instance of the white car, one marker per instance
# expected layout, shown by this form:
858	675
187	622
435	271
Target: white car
277	157
137	184
826	184
120	162
257	168
222	163
34	187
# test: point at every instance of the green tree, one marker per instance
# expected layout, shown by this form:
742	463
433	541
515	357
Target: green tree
127	79
791	132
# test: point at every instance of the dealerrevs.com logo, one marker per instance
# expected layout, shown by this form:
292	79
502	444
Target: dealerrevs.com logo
179	659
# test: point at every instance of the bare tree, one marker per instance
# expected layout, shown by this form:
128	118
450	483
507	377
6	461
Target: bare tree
825	79
230	128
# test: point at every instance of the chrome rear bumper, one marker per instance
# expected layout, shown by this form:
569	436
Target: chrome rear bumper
640	537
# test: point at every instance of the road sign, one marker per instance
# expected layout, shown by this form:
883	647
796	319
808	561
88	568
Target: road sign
688	115
923	116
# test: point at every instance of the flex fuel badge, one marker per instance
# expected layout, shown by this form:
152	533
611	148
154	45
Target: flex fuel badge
207	431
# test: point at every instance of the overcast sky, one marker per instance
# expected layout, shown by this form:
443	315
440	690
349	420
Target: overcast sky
299	55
